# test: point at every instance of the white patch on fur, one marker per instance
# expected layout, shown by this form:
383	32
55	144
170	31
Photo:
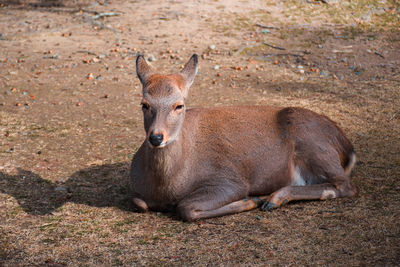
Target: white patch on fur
297	180
351	164
329	193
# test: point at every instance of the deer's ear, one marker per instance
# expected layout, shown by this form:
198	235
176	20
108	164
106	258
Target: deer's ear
190	70
143	70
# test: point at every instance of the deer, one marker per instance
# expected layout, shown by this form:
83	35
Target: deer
209	162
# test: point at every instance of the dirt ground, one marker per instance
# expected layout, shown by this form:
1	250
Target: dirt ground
70	122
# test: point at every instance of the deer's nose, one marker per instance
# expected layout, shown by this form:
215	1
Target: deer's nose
156	139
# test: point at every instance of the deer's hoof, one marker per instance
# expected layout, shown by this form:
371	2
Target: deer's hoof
268	206
140	205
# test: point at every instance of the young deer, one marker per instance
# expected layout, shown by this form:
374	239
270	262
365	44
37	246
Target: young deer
212	162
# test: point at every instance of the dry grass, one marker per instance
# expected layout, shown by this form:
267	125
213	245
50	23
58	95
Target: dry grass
64	190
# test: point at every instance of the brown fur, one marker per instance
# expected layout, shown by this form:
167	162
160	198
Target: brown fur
167	81
213	161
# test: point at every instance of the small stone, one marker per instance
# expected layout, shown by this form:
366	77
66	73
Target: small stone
55	56
212	47
216	67
151	58
366	16
90	76
331	2
379	11
61	189
301	71
323	73
320	46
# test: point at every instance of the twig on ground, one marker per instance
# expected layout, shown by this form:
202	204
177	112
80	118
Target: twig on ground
342	51
105	14
274	46
267	27
379	54
240	50
283	54
101	25
86	52
53	9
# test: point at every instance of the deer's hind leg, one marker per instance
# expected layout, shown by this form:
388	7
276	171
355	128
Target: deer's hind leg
308	192
324	178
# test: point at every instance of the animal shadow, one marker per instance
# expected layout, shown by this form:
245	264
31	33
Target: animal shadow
98	186
44	3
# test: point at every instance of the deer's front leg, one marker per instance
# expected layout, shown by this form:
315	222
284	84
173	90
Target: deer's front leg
231	208
213	200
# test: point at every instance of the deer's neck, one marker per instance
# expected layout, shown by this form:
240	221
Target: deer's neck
163	163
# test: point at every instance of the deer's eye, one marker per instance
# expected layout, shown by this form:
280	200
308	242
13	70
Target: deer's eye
145	106
179	107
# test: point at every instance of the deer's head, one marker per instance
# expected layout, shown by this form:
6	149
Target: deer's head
163	101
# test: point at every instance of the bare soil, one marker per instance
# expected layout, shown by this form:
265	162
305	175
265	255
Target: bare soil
70	123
